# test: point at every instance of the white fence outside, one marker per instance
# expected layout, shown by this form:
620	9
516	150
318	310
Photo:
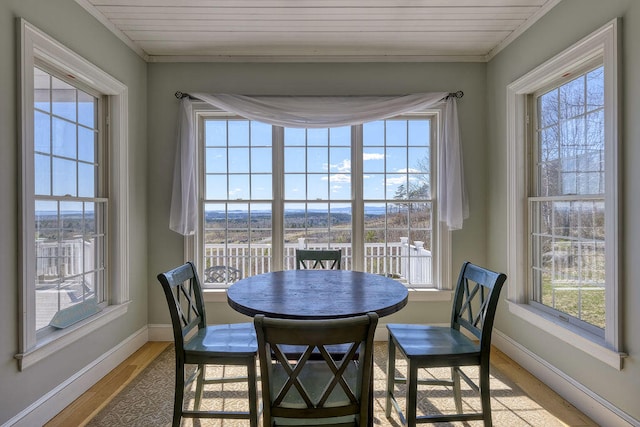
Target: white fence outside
408	263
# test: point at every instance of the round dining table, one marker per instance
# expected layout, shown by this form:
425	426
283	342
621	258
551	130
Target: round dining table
317	294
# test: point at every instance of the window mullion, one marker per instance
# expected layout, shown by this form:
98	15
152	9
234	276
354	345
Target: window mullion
277	208
357	203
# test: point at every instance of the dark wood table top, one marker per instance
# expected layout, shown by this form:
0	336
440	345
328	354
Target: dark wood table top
317	294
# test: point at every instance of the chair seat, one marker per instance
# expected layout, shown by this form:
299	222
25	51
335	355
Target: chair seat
230	340
417	341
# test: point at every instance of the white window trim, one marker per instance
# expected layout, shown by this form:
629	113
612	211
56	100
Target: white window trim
442	243
34	44
602	43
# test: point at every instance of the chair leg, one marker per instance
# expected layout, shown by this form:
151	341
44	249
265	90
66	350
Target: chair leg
178	395
455	377
485	396
412	393
199	386
391	372
253	392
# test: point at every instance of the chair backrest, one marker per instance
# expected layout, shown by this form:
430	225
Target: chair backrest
475	302
324	388
184	295
222	274
324	259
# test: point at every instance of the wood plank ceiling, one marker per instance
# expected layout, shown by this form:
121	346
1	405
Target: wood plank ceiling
317	30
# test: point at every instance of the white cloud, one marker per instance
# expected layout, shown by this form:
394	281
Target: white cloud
401	180
372	156
344	166
337	178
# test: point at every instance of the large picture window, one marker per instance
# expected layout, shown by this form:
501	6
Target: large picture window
365	189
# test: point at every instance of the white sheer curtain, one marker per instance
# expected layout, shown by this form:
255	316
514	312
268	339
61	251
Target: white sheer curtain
319	112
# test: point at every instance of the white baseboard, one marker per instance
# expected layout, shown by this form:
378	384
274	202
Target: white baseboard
160	332
595	407
60	397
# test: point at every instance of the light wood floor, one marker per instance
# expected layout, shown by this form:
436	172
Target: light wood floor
97	397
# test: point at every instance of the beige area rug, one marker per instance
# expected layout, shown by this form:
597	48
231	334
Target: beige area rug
148	400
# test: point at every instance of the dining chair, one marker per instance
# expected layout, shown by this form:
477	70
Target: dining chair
201	345
324	259
323	391
465	342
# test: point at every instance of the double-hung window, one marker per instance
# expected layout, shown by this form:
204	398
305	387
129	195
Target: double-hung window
567	203
366	189
74	197
563	188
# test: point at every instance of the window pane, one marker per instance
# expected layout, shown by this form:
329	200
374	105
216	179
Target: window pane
419	133
87	180
295	186
261	160
216	187
340	160
238	187
216	133
41	90
64	138
396	159
317	187
216	160
64	177
373	187
43	175
261	186
238	160
87	109
294	136
63	99
42	134
238	133
318	137
396	132
294	159
86	145
373	133
373	160
317	159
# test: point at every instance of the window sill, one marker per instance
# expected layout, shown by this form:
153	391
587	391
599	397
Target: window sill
424	295
594	346
64	337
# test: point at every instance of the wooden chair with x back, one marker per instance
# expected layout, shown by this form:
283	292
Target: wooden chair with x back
316	391
323	259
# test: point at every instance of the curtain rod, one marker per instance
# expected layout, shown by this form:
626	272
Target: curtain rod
180	95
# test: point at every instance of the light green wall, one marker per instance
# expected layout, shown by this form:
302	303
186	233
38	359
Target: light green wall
165	246
567	23
67	22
